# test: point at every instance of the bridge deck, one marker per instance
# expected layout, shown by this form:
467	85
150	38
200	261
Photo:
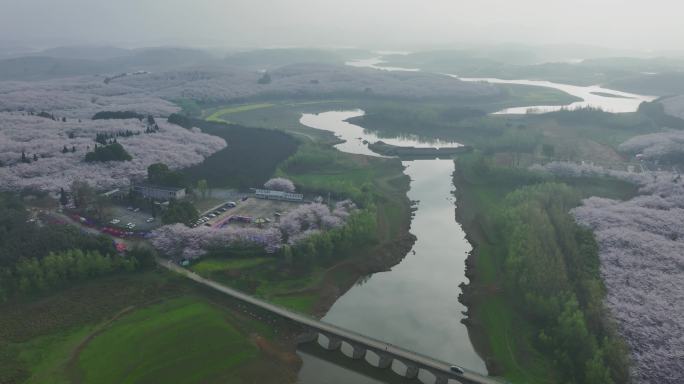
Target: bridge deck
399	353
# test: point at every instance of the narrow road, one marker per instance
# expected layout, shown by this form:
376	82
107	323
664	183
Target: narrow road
373	344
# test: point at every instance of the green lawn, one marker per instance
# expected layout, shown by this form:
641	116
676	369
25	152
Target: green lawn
216	265
150	327
302	303
260	276
178	341
48	355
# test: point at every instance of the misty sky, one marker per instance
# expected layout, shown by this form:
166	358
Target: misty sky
653	24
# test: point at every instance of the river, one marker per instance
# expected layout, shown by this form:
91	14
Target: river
415	305
609	100
595	96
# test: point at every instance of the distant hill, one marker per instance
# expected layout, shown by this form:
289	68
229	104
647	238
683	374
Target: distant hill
85	52
278	57
77	61
658	84
42	68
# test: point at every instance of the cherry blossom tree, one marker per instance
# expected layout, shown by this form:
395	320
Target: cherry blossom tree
641	243
178	241
172	145
280	184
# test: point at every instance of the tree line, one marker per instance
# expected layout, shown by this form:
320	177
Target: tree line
553	266
56	270
36	258
109	152
325	247
119	115
549	270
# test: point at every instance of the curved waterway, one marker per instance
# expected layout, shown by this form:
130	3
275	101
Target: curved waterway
415	305
609	100
595	96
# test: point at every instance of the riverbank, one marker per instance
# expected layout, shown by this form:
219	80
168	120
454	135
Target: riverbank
378	186
479	270
523	236
411	153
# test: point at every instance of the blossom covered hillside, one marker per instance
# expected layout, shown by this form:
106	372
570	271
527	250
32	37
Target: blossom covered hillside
56	149
661	145
79	97
641	245
303	80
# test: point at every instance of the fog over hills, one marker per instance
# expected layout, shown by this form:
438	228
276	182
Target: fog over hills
410	23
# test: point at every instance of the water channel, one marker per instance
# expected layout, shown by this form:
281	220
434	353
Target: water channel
415	305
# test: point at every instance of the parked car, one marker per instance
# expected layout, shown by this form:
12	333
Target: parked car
244	198
115	221
130	225
231	204
130	208
149	220
136	210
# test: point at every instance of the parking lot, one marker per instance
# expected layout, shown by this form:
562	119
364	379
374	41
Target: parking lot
252	208
138	218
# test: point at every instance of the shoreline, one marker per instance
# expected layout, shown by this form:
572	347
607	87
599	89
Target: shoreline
379	258
473	292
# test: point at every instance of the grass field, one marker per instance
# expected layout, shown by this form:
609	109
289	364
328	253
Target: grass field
525	95
285	116
262	277
215	265
180	341
142	328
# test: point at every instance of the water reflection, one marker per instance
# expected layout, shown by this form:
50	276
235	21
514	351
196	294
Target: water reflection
357	138
415	305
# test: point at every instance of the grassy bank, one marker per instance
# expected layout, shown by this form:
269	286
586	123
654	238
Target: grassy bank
531	271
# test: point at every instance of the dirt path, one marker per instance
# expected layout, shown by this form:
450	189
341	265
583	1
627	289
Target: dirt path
71	367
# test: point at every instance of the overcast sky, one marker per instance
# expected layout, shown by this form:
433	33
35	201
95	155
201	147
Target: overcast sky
653	24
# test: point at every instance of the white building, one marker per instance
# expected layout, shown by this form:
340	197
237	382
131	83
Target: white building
155	192
277	195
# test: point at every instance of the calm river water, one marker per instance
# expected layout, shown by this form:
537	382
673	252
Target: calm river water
415	305
609	100
595	96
